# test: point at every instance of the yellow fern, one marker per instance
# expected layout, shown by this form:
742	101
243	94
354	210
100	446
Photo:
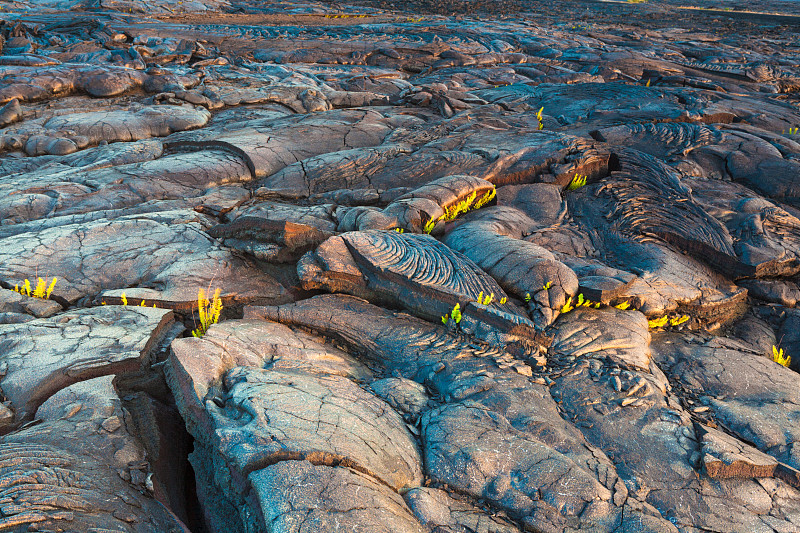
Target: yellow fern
455	314
209	311
452	212
678	320
485	199
42	289
429	225
779	357
577	182
658	322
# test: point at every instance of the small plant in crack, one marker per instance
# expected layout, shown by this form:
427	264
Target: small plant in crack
455	315
658	322
42	289
429	225
580	301
577	182
452	212
779	357
124	299
666	320
678	320
209	311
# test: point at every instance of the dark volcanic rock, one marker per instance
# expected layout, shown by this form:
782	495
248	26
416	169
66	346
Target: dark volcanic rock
560	242
80	469
421	274
152	256
487	388
527	270
321	498
44	355
754	397
270	416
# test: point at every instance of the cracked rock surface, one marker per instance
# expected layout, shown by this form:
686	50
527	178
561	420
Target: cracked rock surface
481	266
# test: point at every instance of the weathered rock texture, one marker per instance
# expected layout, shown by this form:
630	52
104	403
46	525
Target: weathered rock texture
484	266
80	469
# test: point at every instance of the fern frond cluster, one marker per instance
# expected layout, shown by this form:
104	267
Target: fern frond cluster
454	315
779	357
209	311
579	302
42	289
452	212
577	182
664	320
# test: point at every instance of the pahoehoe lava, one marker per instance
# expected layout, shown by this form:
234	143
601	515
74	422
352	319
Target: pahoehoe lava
430	266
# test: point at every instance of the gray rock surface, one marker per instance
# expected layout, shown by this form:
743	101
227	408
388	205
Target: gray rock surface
484	266
487	388
270	406
152	250
80	469
754	397
44	355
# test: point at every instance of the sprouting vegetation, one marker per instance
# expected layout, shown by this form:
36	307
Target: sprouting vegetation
580	301
345	16
678	320
658	322
792	131
527	297
209	311
547	285
399	230
539	117
42	289
779	357
454	315
469	203
663	321
623	305
124	299
489	298
577	182
583	302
